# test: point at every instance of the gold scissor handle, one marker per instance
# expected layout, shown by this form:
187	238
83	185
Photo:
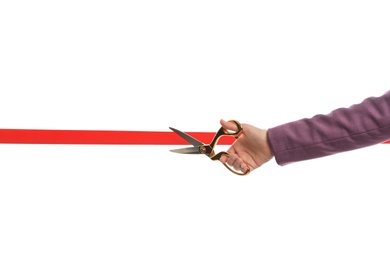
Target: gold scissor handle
223	132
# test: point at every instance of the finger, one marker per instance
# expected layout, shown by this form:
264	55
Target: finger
228	125
244	167
224	158
232	159
237	164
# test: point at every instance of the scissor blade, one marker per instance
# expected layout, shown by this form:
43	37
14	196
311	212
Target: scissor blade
188	150
187	137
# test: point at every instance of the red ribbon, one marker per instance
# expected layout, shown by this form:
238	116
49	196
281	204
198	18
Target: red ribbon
36	136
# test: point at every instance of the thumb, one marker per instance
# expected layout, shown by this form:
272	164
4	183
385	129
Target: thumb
228	125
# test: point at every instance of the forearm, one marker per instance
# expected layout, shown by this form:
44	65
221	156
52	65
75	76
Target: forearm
344	129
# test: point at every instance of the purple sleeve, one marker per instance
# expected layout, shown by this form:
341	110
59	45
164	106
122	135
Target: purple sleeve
344	129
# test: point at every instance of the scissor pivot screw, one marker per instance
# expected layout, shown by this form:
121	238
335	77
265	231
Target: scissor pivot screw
202	150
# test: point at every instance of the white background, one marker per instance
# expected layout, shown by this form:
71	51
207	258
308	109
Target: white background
149	65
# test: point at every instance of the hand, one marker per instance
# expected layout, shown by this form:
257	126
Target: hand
251	149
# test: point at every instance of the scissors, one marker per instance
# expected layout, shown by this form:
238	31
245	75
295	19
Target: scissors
208	149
